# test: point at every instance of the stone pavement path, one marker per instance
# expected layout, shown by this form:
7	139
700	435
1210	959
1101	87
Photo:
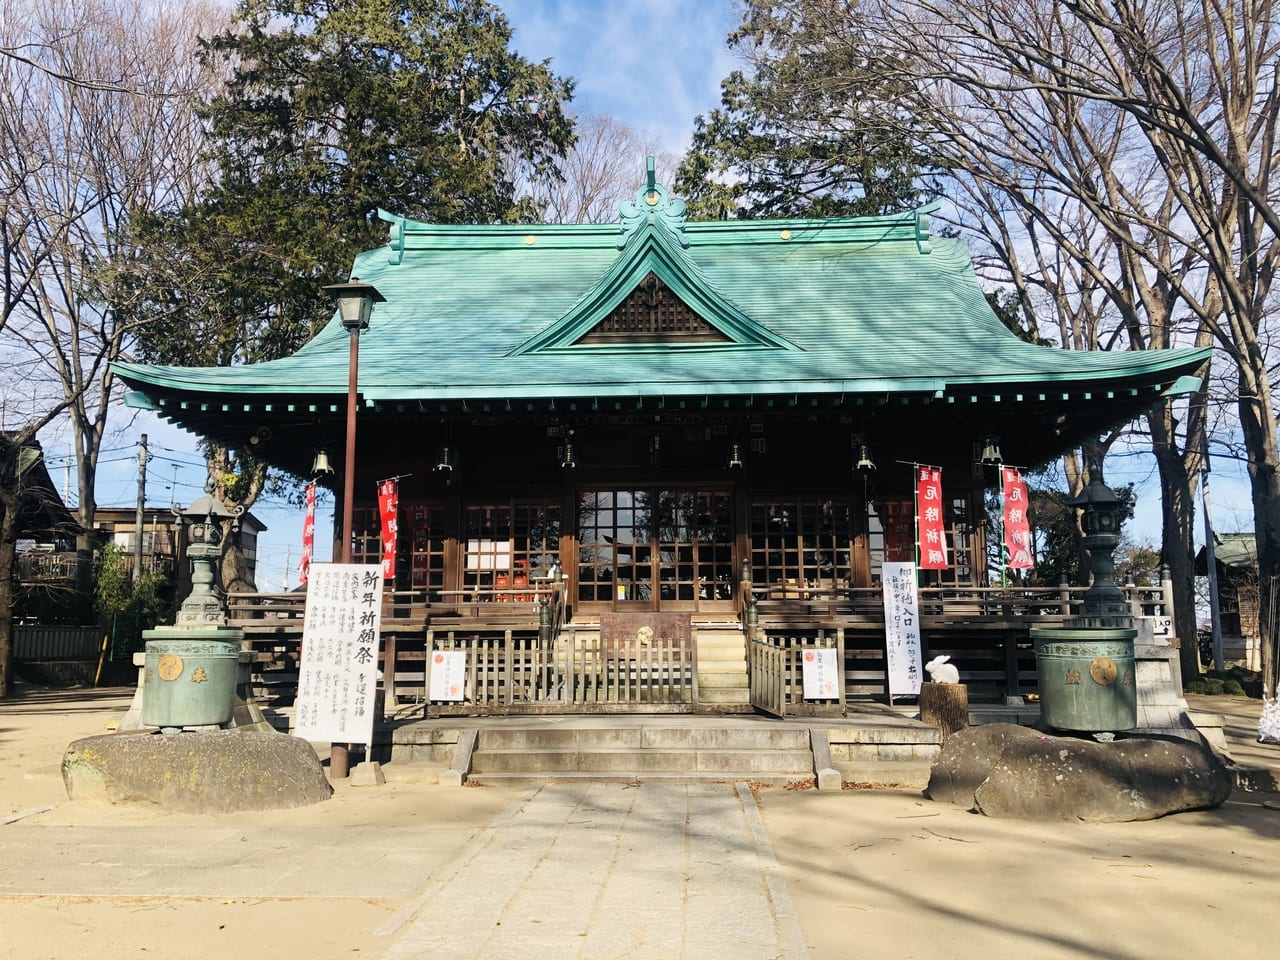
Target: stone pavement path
588	871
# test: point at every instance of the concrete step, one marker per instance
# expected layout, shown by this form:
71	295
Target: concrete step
781	762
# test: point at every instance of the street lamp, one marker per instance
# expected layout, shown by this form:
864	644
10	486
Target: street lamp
355	303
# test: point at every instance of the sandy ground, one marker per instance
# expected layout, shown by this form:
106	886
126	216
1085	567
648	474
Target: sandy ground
871	873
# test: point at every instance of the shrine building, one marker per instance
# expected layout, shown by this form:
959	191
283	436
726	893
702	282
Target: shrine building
673	417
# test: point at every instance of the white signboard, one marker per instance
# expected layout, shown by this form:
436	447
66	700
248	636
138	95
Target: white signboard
819	670
448	675
1154	629
338	678
902	629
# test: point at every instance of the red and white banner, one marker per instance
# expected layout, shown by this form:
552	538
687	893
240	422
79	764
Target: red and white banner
308	534
388	507
1017	526
931	531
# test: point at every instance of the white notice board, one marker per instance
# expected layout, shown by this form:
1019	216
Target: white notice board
338	675
902	629
448	675
818	668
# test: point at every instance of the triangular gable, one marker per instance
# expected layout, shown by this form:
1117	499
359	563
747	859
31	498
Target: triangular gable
653	313
653	261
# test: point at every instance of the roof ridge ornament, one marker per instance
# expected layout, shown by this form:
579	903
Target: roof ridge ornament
652	205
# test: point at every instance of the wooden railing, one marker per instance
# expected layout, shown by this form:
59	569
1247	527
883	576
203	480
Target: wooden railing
985	630
789	602
777	674
273	624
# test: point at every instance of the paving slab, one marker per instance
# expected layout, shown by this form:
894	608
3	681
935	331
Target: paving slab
681	871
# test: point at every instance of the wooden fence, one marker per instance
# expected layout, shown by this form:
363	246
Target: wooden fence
509	673
777	675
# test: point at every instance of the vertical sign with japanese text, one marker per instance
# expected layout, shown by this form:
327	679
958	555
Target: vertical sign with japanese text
1017	526
338	673
903	661
819	673
388	510
931	531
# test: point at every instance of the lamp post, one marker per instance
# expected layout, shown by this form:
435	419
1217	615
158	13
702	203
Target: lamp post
355	304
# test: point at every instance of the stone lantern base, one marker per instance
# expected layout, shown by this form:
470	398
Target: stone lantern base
192	679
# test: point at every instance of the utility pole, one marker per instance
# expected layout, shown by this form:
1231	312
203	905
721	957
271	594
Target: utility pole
142	505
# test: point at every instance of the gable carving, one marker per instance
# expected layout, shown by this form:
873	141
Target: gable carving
653	313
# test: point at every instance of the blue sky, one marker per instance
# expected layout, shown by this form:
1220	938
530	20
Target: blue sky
654	65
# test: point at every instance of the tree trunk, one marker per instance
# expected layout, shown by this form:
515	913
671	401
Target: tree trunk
234	568
945	705
8	571
1260	440
1177	536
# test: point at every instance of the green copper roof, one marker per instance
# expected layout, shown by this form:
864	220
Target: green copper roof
842	306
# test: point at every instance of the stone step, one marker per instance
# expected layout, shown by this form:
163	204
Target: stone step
903	774
646	737
728	662
722	651
718	695
756	776
782	762
709	679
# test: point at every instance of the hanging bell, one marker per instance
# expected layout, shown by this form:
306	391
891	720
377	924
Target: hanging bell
321	466
864	464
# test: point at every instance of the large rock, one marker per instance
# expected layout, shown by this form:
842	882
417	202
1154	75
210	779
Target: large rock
1003	770
967	758
215	771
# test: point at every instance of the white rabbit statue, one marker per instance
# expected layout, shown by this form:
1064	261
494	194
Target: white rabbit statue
942	672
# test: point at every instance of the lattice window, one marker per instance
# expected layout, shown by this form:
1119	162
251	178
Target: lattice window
892	528
505	543
653	314
801	542
420	544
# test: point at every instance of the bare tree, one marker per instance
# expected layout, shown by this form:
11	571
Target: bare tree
96	125
1187	196
603	168
1155	121
1073	205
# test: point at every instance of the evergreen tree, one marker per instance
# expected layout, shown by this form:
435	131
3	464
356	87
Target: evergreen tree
785	143
332	109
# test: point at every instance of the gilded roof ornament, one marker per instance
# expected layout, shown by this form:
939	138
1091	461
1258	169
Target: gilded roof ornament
652	205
